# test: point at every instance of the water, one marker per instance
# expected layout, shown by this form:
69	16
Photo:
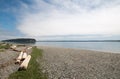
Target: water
98	46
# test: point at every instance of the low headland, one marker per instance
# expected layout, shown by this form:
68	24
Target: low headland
21	40
61	63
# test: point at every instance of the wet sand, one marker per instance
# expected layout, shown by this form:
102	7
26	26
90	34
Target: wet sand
66	63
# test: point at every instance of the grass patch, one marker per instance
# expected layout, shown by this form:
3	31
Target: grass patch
33	71
5	46
1	50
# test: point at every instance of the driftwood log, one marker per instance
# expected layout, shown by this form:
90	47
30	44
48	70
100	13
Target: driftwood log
25	63
19	58
24	56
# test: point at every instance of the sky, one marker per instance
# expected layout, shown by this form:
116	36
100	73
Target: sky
60	19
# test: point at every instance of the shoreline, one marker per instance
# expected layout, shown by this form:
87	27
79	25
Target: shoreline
69	63
97	51
112	47
8	58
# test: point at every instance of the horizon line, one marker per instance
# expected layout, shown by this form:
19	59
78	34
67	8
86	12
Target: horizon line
78	41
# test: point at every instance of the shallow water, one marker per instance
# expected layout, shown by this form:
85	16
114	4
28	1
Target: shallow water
99	46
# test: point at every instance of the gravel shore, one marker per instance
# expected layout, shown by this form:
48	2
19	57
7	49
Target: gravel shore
7	66
66	63
7	61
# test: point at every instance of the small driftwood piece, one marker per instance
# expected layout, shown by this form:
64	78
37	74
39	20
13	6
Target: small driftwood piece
29	48
25	63
13	47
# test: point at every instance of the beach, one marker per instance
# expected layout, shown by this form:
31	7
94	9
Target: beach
7	61
66	63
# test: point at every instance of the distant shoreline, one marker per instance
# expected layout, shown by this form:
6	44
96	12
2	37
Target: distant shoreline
79	41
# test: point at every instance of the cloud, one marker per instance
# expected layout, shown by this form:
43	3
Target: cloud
6	34
70	17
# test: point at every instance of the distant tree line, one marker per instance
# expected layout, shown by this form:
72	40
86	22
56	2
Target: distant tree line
20	40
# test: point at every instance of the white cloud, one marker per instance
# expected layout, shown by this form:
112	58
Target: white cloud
71	17
5	34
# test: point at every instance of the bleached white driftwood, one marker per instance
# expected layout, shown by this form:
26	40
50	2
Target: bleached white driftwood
13	47
19	57
25	63
24	55
29	47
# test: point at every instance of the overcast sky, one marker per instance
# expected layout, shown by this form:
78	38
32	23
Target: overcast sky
61	19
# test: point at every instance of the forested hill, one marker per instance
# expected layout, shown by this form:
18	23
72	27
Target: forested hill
20	40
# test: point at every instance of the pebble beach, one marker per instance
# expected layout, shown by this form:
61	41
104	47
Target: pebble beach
7	61
66	63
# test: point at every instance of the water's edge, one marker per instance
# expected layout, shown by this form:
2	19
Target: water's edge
97	46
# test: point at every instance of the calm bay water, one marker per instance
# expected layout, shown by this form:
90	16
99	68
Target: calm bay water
99	46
